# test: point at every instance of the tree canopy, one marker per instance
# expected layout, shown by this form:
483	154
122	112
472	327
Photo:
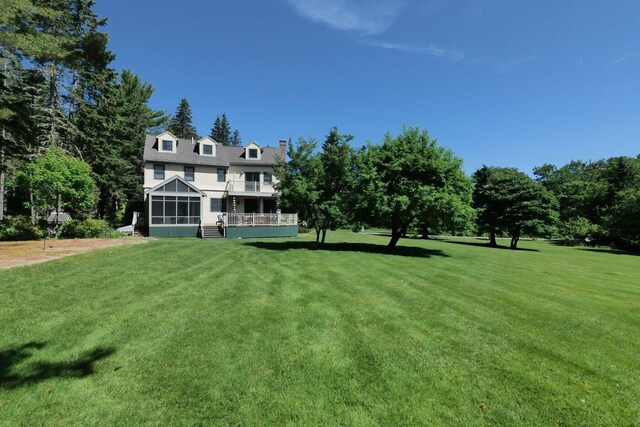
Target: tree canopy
407	178
54	176
317	184
181	124
509	201
592	197
221	132
58	90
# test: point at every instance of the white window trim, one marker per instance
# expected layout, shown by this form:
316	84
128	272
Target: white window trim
253	146
207	141
213	150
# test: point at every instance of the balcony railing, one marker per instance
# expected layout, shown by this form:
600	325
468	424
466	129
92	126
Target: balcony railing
250	187
259	219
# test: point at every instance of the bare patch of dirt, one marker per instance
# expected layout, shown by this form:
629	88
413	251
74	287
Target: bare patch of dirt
15	254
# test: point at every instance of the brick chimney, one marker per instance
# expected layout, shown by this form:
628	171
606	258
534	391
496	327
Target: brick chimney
283	150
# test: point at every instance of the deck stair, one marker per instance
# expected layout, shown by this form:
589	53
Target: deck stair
211	232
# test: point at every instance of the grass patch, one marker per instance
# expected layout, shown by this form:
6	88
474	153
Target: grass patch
189	331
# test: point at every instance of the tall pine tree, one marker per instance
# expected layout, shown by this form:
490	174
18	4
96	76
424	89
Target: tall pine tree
221	132
181	123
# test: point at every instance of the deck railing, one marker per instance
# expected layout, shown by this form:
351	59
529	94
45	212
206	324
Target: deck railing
259	219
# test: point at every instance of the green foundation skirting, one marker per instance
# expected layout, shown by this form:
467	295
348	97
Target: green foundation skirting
173	231
249	232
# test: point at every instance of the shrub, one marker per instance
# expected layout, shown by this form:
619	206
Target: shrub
574	231
14	228
85	229
303	229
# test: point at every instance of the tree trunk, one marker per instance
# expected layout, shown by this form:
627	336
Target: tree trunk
53	104
58	207
317	235
395	234
2	199
324	234
425	232
72	94
32	204
514	242
403	230
492	239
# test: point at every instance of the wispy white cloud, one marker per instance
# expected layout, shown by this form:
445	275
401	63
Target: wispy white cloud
432	50
506	67
367	17
619	60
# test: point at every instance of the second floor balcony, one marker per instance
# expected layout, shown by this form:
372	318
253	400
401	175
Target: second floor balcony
238	188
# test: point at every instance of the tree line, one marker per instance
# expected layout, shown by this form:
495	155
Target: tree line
72	133
410	183
72	128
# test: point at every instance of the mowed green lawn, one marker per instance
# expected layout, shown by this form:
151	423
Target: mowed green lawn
255	332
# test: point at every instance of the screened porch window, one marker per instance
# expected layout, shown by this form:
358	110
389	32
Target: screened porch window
169	210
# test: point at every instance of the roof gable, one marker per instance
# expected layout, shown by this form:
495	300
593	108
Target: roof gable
167	134
175	184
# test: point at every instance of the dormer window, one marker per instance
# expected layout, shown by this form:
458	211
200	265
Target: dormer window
207	146
252	151
166	142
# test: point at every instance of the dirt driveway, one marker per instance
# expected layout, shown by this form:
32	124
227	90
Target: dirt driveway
15	254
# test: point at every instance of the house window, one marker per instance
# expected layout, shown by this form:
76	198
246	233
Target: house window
253	153
189	173
207	150
158	171
167	145
168	210
267	178
218	205
222	175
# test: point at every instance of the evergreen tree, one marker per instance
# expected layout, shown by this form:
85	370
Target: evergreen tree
235	140
181	123
116	129
511	202
221	132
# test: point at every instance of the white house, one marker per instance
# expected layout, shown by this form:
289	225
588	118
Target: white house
208	189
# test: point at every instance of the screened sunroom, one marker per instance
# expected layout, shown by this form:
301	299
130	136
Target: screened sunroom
174	209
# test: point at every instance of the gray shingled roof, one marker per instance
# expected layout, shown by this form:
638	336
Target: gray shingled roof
187	152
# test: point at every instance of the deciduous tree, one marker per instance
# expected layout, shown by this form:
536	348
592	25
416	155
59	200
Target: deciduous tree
408	177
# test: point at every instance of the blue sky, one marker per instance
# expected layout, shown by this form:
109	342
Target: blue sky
501	82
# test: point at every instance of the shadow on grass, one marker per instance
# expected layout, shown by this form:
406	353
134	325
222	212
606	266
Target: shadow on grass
484	244
17	371
600	249
408	251
610	251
